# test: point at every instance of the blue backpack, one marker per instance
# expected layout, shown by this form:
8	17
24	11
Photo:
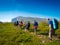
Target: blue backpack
35	23
55	24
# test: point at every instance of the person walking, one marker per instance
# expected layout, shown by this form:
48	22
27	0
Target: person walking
50	28
21	24
16	23
27	26
35	26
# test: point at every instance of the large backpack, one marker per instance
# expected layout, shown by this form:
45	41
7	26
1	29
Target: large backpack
16	23
35	23
28	24
55	24
21	23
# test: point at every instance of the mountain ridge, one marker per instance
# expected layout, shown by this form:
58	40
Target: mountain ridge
31	19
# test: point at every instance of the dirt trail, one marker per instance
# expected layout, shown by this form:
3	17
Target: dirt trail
44	38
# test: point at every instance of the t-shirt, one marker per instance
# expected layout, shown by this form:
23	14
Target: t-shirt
50	23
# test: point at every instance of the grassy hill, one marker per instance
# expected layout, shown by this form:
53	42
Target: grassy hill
11	35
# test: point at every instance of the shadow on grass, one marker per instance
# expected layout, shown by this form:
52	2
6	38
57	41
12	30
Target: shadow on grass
42	34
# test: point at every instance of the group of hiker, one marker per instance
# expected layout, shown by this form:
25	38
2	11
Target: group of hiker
53	25
26	25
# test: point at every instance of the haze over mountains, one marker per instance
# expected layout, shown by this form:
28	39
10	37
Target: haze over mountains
31	19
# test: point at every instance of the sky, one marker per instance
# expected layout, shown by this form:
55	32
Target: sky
29	8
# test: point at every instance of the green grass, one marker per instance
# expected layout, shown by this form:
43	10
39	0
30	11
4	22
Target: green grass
53	43
11	35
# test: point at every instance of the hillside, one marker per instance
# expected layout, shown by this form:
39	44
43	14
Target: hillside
11	35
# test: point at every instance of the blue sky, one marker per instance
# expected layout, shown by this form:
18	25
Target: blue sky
29	8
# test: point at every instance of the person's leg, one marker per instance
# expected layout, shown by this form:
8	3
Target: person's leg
35	31
53	32
50	33
26	28
20	27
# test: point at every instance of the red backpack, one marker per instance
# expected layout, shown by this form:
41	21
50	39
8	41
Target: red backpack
21	23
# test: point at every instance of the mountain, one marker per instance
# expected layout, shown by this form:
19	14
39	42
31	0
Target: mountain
31	19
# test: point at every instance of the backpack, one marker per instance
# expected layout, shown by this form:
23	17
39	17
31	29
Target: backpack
16	23
35	23
55	24
21	23
28	24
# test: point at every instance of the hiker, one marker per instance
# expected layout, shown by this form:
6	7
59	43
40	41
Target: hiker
53	25
16	23
50	28
35	26
27	26
21	24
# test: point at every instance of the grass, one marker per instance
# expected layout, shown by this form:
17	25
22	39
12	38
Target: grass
11	35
